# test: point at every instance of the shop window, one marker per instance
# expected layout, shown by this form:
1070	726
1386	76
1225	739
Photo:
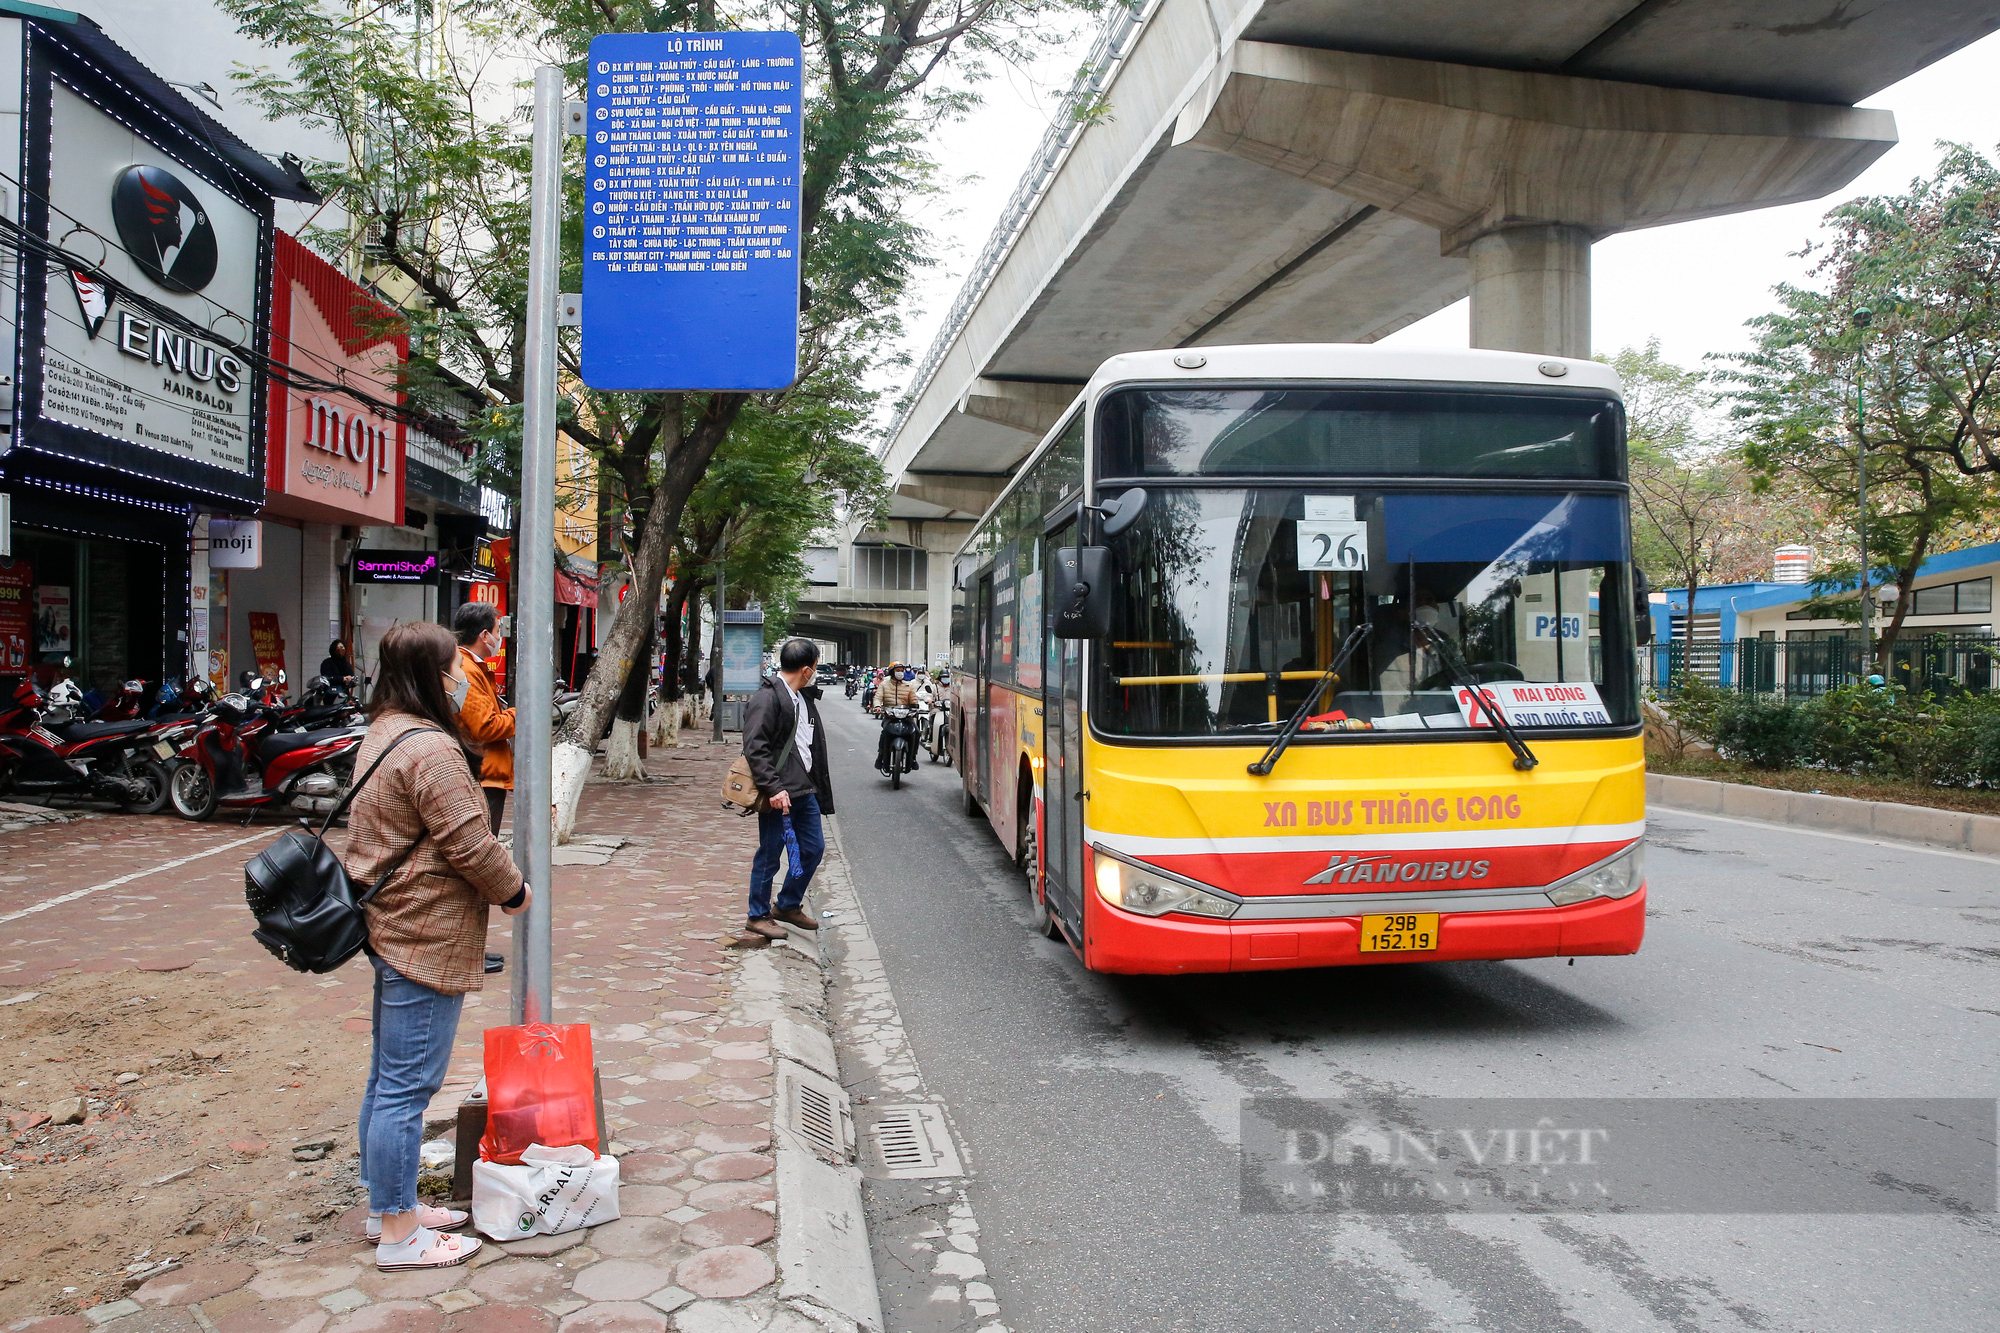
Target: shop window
1938	601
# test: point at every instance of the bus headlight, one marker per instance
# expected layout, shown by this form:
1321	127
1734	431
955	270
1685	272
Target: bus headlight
1150	892
1616	876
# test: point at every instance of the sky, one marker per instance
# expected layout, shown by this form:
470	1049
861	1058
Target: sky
1691	285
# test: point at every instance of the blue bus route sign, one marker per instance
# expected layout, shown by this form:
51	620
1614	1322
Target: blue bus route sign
691	211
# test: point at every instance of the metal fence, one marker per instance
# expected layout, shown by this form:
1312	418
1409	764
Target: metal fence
1802	668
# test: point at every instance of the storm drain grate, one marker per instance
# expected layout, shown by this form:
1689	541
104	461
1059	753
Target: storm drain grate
819	1112
913	1142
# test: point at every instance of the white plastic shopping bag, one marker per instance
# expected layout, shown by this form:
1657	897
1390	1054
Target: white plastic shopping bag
552	1190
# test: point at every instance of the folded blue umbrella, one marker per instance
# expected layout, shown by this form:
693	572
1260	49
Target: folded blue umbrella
792	848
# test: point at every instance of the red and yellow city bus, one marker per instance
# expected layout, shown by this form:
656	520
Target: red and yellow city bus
1357	678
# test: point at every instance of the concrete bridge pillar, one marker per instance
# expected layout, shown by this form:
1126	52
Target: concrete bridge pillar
1531	290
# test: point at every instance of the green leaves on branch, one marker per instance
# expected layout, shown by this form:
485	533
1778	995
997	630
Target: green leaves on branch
1912	388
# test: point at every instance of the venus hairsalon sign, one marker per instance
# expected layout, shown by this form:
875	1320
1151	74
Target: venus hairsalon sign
168	373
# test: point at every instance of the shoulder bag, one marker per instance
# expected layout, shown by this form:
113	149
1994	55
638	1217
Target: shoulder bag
306	909
739	789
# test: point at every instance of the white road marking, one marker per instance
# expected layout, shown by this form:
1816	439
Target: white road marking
871	1027
74	894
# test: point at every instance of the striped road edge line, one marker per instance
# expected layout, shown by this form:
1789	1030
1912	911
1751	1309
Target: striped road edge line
75	894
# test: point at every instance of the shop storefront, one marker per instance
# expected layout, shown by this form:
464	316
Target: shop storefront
335	451
144	321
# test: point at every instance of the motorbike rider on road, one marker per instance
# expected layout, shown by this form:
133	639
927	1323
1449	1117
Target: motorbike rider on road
896	690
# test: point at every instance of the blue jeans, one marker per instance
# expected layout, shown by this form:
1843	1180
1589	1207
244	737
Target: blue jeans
414	1028
771	849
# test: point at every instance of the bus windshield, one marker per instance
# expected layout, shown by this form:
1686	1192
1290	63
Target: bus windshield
1233	600
1354	431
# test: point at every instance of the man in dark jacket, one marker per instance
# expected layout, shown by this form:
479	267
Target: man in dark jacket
786	748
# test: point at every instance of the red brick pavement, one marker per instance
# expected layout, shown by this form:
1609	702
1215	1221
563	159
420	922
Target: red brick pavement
641	953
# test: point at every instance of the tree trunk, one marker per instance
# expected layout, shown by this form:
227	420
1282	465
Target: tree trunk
687	457
622	760
673	640
692	664
1905	597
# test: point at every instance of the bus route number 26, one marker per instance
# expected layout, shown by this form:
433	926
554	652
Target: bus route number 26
1333	544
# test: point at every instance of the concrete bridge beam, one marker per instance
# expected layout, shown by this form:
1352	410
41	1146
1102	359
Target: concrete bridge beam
1518	171
1026	405
968	493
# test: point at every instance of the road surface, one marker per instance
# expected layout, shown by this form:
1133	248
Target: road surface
1100	1116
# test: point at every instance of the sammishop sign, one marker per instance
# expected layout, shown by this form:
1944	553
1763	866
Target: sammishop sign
373	565
113	367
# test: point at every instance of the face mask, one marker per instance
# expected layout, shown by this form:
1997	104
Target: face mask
458	693
909	675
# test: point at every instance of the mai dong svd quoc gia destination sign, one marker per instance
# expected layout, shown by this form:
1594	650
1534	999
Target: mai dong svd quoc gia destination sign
691	211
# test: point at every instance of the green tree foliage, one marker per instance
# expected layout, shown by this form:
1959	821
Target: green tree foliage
1913	388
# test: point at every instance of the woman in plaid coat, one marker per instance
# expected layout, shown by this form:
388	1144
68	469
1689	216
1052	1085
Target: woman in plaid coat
426	926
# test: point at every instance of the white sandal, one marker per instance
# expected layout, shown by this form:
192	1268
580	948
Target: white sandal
426	1248
428	1215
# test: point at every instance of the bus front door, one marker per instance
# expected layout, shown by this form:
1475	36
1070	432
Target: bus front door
1062	774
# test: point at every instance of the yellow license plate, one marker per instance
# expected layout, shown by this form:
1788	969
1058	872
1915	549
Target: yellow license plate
1399	932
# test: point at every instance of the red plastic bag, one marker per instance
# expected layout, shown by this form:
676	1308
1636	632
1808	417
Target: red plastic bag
541	1087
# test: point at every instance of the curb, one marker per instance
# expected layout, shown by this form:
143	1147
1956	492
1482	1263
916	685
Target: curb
825	1269
1889	820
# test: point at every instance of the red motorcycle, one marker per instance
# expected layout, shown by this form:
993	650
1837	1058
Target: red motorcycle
125	705
240	759
46	750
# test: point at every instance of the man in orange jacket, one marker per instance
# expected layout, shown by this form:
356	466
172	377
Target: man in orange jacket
488	728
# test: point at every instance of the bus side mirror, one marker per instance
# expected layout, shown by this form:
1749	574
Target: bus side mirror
1084	610
1642	606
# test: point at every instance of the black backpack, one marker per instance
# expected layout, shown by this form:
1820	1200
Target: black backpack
306	910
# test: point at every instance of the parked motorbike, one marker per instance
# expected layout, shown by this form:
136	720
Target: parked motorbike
566	702
324	705
191	697
899	724
124	705
241	759
47	749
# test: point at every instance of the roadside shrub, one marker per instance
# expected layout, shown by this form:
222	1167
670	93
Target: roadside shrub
1852	729
1697	706
1936	742
1985	727
1945	739
1762	732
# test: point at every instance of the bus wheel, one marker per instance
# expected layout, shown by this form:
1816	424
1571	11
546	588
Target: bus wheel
1040	919
970	801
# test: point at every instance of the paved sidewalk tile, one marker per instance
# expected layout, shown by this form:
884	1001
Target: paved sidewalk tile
643	953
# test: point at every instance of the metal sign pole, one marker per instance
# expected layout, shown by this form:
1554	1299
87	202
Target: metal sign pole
535	679
716	657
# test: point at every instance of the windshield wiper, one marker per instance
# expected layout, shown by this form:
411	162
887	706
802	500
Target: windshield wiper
1262	768
1524	758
